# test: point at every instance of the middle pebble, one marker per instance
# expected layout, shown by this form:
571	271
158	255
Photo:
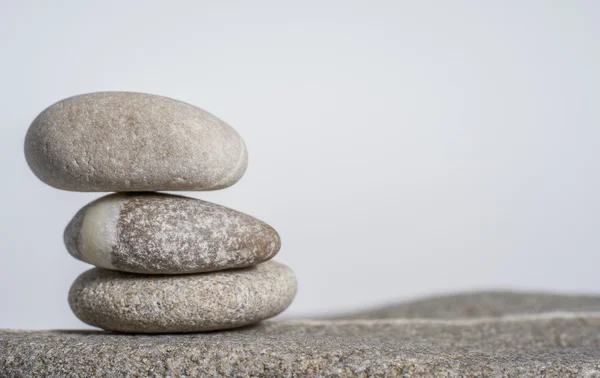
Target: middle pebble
156	233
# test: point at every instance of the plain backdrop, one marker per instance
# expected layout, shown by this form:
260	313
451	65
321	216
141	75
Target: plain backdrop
400	148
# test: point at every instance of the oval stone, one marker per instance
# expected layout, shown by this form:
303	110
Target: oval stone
157	233
128	302
124	141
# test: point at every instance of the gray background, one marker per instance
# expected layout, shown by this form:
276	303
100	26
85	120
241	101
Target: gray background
400	148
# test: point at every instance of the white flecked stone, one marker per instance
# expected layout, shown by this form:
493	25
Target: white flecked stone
156	233
124	141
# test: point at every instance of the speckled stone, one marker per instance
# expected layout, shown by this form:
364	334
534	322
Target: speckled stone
550	345
479	304
124	141
187	303
165	234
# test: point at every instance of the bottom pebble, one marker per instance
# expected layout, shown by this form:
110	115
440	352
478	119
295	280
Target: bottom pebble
137	303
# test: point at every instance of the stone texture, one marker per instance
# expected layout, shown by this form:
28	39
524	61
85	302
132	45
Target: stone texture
164	234
124	141
551	345
479	304
186	303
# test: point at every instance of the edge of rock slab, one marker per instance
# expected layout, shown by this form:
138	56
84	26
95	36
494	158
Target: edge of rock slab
507	346
476	304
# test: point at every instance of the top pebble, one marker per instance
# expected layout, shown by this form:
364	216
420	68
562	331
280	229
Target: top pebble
124	141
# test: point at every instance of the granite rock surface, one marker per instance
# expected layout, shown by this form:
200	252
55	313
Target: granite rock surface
138	303
156	233
478	304
125	141
543	345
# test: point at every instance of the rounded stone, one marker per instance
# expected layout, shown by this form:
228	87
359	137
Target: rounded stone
155	233
125	141
188	303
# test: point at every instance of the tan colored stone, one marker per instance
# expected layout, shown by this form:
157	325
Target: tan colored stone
124	141
186	303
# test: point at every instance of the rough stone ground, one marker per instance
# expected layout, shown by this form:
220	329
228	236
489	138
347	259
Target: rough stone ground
557	342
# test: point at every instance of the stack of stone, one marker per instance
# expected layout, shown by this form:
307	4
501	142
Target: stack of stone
165	263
